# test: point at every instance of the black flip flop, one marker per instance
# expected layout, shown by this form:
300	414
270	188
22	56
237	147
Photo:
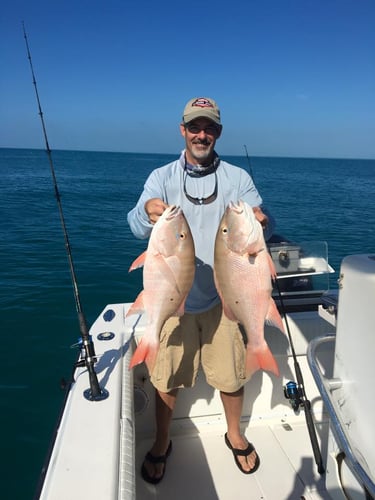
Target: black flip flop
244	453
155	460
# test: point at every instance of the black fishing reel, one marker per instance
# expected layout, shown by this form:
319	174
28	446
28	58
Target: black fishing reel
294	394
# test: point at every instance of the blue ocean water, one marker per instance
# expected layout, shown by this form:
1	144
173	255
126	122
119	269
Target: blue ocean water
311	199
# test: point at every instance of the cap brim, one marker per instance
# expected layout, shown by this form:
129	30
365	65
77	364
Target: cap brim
200	114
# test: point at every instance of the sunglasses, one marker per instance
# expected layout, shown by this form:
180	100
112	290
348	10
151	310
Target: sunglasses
201	201
196	129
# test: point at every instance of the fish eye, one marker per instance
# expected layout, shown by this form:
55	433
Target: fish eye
182	236
224	230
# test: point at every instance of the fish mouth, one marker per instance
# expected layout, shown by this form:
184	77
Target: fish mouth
173	211
247	235
236	207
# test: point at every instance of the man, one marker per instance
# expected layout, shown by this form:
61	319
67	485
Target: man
202	185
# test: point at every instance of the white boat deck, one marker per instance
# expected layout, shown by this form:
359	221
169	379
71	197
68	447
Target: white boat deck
202	467
112	436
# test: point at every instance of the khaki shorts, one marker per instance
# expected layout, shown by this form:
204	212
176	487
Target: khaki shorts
208	338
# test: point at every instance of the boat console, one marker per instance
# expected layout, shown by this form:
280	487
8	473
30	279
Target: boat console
302	274
349	395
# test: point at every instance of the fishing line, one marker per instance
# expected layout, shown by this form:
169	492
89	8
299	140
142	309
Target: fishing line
95	393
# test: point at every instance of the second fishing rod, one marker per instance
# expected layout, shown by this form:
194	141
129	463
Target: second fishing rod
295	391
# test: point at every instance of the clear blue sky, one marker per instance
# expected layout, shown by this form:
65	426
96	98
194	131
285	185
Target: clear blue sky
292	77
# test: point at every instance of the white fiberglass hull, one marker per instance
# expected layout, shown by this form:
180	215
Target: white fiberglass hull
100	446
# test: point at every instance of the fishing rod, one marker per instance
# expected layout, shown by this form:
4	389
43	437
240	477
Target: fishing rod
295	392
95	392
248	162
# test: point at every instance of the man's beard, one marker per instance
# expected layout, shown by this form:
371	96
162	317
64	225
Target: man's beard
202	154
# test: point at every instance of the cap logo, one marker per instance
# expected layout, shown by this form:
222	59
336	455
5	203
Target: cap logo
201	102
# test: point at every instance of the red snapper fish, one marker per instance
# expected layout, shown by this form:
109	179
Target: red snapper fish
243	269
168	273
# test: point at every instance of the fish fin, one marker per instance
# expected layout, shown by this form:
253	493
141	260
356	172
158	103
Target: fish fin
228	312
261	360
138	262
145	352
137	307
181	310
272	267
273	316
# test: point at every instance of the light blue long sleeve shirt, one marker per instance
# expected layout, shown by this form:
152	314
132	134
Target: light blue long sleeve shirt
167	183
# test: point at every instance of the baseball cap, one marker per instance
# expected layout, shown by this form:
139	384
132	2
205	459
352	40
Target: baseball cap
201	107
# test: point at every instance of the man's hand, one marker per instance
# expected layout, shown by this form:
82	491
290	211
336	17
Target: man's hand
260	216
154	207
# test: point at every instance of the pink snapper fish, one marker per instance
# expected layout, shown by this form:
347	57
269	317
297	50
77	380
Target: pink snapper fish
243	269
168	274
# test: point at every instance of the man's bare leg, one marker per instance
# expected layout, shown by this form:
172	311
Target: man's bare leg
164	406
233	403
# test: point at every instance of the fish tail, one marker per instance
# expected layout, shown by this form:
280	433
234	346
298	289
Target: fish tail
145	352
261	360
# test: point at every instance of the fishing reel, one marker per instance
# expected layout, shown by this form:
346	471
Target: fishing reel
294	394
85	350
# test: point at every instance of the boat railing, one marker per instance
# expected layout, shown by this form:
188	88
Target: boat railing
127	440
326	386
